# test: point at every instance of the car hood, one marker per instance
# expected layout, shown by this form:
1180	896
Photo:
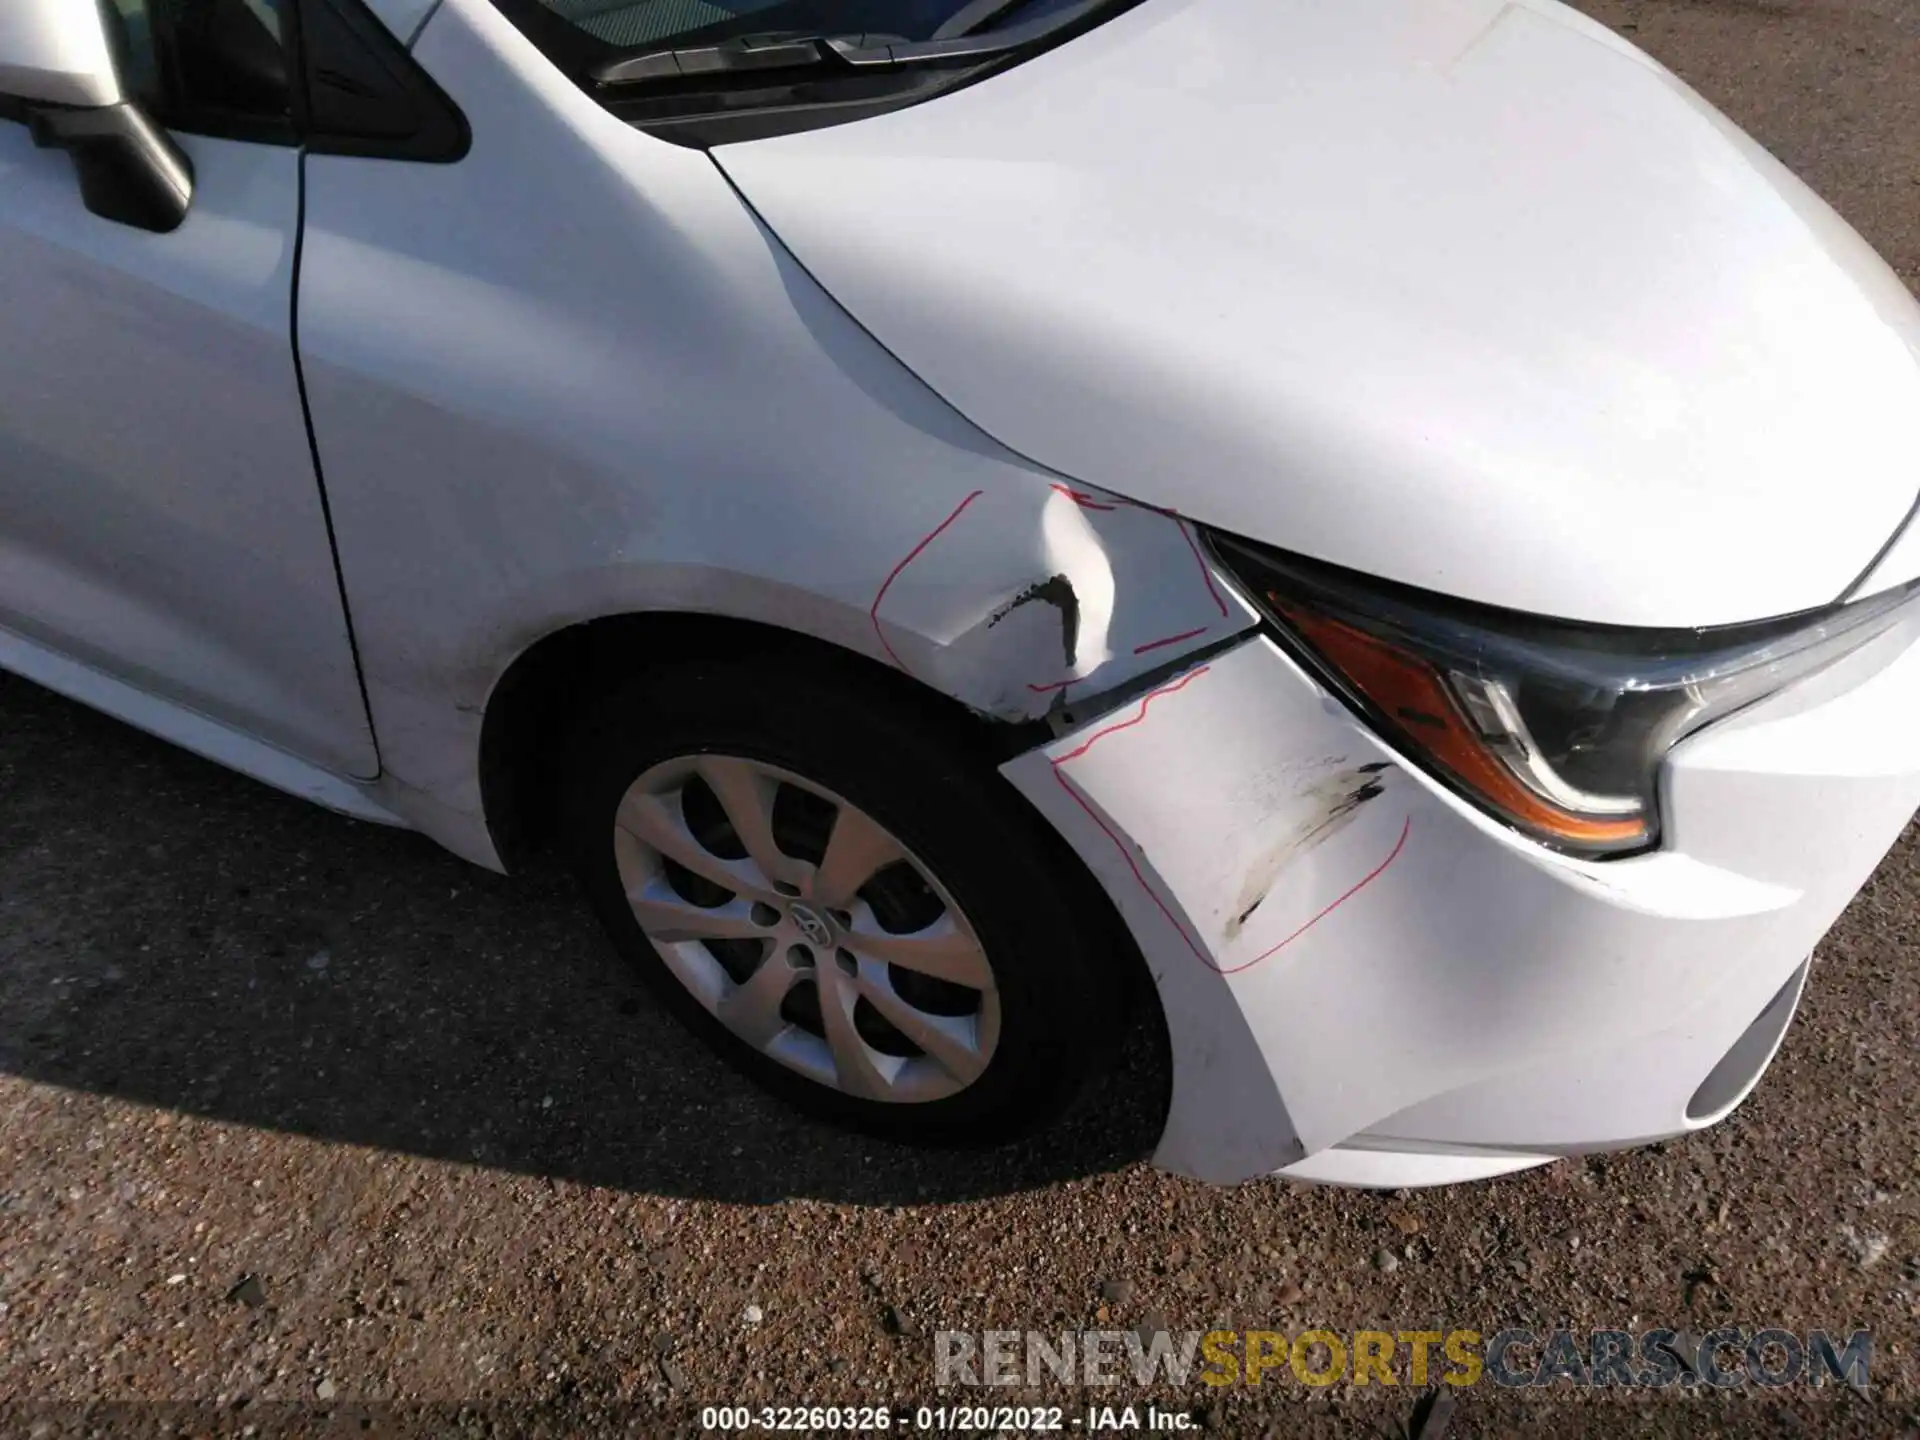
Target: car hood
1468	294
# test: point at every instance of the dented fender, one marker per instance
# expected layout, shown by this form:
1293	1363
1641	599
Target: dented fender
722	439
1026	597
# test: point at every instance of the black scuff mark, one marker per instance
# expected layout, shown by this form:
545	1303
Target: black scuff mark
1342	796
1058	592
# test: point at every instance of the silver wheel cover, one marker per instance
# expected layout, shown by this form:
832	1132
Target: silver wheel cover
793	952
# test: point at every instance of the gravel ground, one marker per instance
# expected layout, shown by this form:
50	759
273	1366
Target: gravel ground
296	1110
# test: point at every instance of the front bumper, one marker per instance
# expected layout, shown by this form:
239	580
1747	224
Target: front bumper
1367	981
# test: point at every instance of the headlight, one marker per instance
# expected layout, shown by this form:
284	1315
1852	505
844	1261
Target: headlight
1557	728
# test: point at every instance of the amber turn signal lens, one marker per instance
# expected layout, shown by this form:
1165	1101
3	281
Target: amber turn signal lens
1413	695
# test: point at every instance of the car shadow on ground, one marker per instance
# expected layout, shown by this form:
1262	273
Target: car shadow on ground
180	936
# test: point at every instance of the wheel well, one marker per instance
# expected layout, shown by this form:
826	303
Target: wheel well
556	680
562	676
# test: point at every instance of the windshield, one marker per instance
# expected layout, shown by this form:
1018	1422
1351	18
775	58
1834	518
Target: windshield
715	72
632	23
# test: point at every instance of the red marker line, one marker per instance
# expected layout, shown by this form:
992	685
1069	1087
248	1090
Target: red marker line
1205	573
1138	650
873	611
1170	640
1141	714
1127	851
1127	855
1081	498
1086	501
1365	880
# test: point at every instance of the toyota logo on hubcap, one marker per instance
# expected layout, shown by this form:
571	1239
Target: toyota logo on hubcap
811	925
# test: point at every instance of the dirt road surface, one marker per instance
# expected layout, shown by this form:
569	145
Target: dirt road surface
304	1119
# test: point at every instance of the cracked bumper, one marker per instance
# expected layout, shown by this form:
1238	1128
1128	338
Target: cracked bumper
1368	982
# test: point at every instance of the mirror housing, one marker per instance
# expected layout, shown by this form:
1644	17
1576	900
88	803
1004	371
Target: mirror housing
57	53
58	74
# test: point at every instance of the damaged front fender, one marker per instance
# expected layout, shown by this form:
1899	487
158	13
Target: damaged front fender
1022	599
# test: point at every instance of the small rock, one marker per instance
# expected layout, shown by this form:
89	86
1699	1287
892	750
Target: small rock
248	1291
1866	1247
1287	1294
675	1376
753	1315
1403	1222
1385	1261
663	1345
178	1278
319	961
894	1321
325	1390
1119	1292
1153	1323
1103	1314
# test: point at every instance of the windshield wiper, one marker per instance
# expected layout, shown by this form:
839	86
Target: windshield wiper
747	56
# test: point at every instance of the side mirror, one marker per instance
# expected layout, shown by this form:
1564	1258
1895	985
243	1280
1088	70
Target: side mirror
57	73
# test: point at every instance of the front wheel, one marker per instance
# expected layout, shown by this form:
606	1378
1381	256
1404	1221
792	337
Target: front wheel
836	893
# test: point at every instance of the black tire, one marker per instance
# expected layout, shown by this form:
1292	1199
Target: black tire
918	772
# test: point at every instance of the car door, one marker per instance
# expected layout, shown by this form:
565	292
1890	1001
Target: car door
161	520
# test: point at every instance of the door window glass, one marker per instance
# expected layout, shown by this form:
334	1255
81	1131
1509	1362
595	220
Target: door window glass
217	66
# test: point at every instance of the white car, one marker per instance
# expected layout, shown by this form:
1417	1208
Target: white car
1377	529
